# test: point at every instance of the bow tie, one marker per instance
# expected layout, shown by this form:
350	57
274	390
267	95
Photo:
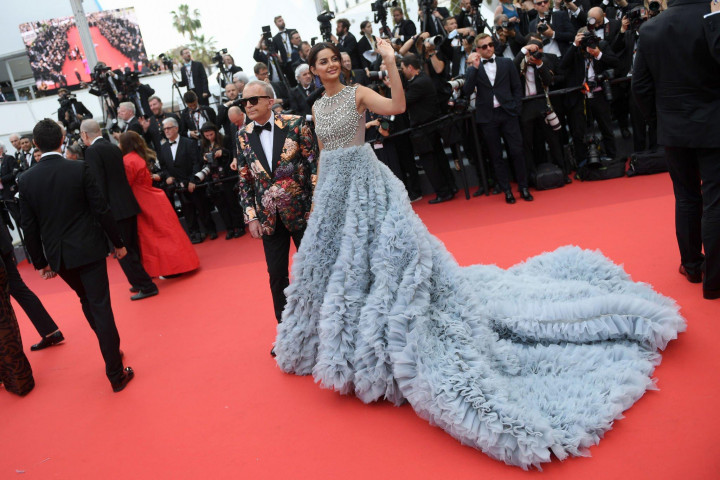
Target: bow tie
173	143
259	128
491	60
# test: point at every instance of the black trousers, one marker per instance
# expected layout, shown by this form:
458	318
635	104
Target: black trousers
532	123
90	283
277	257
507	127
406	157
28	301
600	110
228	205
131	265
644	130
695	173
437	167
196	209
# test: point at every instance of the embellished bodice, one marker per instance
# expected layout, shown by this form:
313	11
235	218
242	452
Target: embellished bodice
337	121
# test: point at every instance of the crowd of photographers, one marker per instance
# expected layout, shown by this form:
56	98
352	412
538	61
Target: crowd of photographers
122	34
498	77
48	50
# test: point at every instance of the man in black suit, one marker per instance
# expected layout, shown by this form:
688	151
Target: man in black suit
194	77
346	41
555	27
180	160
71	111
106	163
154	135
583	66
126	113
684	86
497	112
232	94
422	107
466	16
194	116
537	72
30	303
65	219
300	95
282	96
404	29
10	168
435	20
284	47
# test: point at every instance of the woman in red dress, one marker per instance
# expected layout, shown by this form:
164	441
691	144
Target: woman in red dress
164	246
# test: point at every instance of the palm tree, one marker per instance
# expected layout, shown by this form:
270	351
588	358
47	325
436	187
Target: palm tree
203	49
186	22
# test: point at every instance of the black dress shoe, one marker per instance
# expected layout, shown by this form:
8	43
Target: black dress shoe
509	197
213	236
479	192
229	235
48	341
272	352
711	294
691	277
496	190
196	238
134	290
238	232
440	199
568	180
122	382
140	295
525	195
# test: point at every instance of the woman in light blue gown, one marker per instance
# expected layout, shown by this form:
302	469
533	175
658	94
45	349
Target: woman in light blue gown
524	363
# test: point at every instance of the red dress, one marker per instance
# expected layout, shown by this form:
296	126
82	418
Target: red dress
164	246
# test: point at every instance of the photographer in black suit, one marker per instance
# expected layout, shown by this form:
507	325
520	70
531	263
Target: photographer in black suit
284	47
404	29
422	107
585	62
300	101
67	238
497	112
346	41
684	86
194	77
106	163
180	160
555	27
232	95
194	116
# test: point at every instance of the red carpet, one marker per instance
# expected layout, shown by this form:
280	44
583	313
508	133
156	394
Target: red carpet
105	53
208	401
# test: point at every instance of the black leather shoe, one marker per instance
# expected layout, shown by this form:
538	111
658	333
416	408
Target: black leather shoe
272	352
568	180
509	197
120	384
711	294
213	236
48	341
525	195
496	190
229	235
196	238
479	192
440	199
140	295
691	277
625	133
239	232
134	290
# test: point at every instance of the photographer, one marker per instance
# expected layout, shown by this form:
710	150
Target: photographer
655	7
586	65
126	113
556	29
403	29
300	95
509	41
456	47
10	169
180	160
262	55
216	167
346	41
154	135
194	116
71	112
283	45
240	79
537	71
366	45
194	77
422	107
436	17
466	17
232	94
226	68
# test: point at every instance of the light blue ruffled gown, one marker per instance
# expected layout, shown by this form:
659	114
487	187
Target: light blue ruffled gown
523	363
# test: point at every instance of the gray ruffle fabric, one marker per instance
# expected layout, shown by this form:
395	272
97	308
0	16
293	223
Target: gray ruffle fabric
523	363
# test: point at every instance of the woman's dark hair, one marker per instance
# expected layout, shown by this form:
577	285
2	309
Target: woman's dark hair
132	142
319	47
207	127
48	135
363	25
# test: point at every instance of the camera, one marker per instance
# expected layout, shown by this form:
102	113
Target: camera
167	61
379	75
637	17
593	144
654	6
543	23
591	24
552	119
537	55
604	79
589	40
218	58
325	25
457	83
505	25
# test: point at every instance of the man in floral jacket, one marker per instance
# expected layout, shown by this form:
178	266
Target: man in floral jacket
278	170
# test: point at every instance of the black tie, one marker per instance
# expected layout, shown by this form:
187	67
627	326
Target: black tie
491	60
173	143
260	128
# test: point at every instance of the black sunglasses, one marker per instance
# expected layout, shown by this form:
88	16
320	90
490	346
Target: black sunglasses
486	46
253	100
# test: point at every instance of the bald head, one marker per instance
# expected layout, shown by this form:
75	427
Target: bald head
236	116
598	14
91	128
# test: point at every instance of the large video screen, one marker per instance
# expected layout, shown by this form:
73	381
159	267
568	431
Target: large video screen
57	56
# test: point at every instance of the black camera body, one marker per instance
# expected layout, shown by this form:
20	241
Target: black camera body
167	61
325	26
589	40
637	16
654	6
218	58
543	23
537	55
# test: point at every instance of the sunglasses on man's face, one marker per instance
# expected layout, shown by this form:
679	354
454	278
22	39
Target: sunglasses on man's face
252	100
486	46
543	2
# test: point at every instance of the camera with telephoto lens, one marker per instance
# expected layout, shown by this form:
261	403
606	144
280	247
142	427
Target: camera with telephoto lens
436	40
552	119
167	61
537	55
379	75
637	16
380	8
654	6
457	83
211	164
593	160
218	58
325	25
603	79
543	23
589	40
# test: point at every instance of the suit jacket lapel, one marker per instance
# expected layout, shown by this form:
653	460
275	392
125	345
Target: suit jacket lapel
254	140
483	75
278	141
500	71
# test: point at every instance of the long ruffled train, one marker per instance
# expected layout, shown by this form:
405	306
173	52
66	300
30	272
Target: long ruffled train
522	363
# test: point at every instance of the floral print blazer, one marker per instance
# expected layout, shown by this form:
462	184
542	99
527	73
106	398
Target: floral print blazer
286	189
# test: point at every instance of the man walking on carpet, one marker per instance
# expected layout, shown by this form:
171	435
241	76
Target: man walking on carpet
277	163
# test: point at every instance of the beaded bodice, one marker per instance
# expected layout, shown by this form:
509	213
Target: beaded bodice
337	121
